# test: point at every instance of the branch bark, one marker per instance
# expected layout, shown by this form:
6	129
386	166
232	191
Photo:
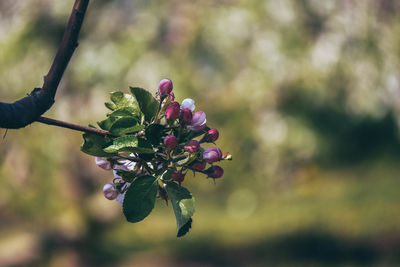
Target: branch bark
29	109
72	126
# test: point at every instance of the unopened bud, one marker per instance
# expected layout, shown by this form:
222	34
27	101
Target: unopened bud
103	163
198	122
172	112
165	87
213	154
188	103
215	171
178	177
186	115
110	192
199	166
193	146
170	141
211	136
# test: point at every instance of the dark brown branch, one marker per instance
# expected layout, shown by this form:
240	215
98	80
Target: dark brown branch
28	109
72	126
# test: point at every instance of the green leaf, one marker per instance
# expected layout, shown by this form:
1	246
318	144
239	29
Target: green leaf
167	175
121	100
147	103
140	198
183	205
144	147
125	112
110	106
154	132
125	125
128	176
129	143
93	145
107	123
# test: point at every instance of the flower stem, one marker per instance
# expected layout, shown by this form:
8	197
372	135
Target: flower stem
158	110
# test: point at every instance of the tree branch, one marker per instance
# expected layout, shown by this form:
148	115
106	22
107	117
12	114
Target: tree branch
72	126
28	109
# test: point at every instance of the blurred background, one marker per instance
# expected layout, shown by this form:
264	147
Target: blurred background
305	93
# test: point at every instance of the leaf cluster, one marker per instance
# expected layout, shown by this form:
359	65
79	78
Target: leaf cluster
135	130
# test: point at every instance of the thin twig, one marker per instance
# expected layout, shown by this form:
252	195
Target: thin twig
72	126
158	109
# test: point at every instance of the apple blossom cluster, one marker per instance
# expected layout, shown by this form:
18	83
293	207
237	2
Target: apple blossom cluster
153	144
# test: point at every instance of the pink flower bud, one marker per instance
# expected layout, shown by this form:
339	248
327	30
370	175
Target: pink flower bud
199	166
198	122
165	87
215	171
186	115
193	146
178	177
188	103
172	112
103	163
109	191
170	141
213	154
172	95
211	136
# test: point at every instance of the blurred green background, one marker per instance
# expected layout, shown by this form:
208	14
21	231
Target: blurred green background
305	93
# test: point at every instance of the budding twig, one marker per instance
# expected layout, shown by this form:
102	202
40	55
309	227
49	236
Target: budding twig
72	126
158	109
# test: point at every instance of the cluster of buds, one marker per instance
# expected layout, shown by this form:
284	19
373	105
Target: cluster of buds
181	134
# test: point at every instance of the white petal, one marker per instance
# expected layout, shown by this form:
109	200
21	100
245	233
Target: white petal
125	165
120	198
199	118
188	103
126	185
103	163
116	175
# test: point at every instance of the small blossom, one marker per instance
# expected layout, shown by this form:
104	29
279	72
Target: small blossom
103	163
198	122
172	112
186	115
227	156
116	176
170	141
120	198
213	154
199	166
165	87
211	136
110	192
193	146
178	177
215	171
188	103
124	165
